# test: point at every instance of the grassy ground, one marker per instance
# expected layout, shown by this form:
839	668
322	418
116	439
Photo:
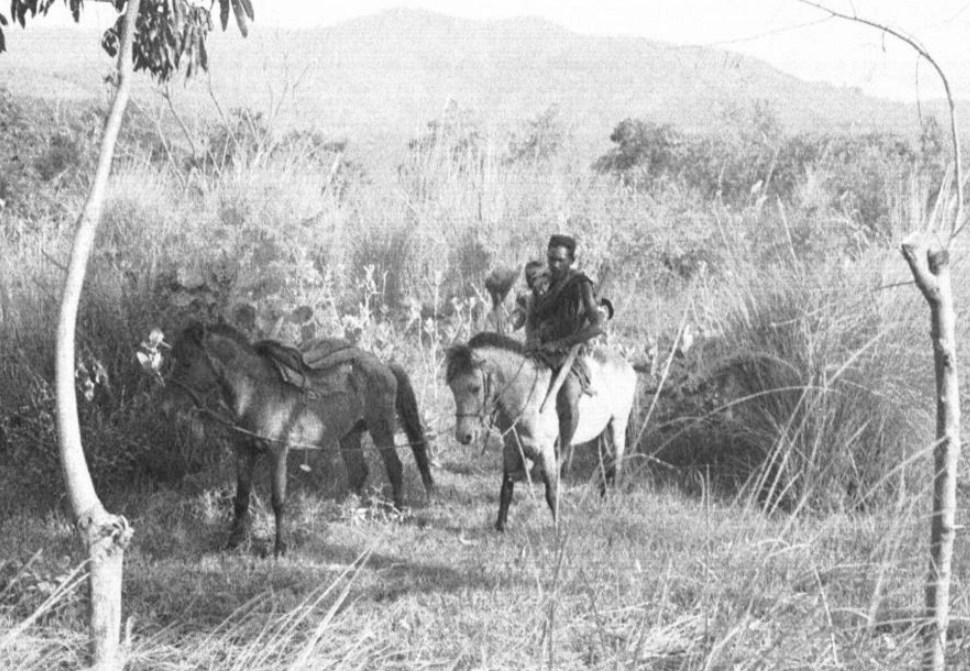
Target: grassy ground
646	578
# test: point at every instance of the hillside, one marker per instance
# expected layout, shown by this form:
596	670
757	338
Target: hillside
381	78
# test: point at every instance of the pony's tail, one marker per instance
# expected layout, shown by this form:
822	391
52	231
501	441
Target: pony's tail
406	404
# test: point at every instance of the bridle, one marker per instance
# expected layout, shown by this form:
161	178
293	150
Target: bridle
204	401
485	415
483	411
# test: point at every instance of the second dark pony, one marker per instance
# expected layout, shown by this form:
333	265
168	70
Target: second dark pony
276	400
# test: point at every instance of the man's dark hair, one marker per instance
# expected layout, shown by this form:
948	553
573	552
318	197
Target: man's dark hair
567	241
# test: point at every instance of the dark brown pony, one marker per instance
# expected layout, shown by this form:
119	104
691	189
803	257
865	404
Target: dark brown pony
275	401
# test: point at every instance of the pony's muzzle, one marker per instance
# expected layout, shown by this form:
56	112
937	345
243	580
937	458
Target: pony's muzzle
173	402
465	435
167	404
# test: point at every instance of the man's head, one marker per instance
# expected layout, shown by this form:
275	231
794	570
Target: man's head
560	254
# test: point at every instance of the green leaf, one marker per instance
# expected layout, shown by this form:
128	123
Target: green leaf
240	13
224	12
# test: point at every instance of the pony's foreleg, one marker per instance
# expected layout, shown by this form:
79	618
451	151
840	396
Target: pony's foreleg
512	464
504	500
246	457
279	497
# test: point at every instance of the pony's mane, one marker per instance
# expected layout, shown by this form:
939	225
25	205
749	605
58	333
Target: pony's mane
231	332
496	341
195	331
461	359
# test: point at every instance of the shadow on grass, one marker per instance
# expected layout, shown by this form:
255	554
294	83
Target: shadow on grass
209	591
179	571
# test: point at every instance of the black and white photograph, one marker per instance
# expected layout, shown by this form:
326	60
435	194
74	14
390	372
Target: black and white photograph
428	335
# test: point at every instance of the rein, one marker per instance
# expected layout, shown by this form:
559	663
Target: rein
486	394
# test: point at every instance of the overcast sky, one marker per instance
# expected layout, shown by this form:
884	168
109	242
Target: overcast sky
795	38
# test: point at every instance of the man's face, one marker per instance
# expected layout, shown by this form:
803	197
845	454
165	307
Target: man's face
559	261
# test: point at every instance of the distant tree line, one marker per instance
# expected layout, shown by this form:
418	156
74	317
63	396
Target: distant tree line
752	158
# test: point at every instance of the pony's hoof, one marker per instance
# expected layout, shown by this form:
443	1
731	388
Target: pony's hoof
279	550
500	527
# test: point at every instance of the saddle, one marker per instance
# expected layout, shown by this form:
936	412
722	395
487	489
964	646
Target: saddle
321	367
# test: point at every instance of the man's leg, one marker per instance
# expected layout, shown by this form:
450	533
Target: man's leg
567	406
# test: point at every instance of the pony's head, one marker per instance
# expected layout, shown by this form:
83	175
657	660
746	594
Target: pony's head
465	375
199	355
472	383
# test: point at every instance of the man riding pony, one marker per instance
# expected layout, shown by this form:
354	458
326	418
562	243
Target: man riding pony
562	316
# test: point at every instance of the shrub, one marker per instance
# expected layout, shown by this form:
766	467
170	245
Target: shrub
241	140
805	398
539	139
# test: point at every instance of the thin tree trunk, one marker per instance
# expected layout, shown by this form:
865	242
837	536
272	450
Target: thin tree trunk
105	535
931	271
932	274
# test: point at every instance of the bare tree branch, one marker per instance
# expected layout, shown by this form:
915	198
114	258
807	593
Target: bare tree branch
915	44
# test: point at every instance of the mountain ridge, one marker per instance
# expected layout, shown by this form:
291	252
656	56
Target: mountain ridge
382	77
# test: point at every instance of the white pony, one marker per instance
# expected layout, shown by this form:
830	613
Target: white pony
495	381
